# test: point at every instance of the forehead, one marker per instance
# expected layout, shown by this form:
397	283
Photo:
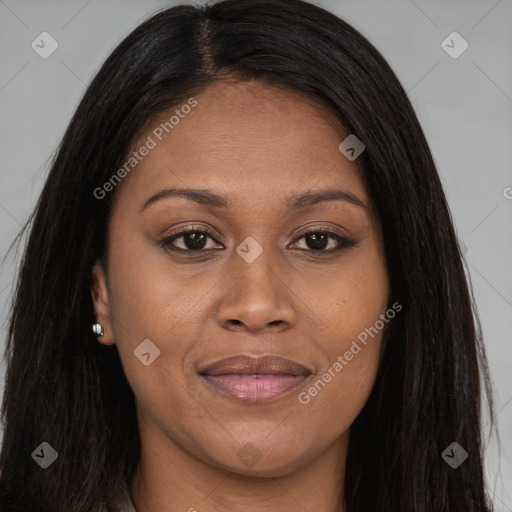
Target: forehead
245	139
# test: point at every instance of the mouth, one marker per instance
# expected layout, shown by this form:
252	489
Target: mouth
254	379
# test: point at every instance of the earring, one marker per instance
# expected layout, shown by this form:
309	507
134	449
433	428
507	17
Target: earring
98	330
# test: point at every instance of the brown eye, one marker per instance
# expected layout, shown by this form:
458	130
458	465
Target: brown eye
192	240
325	241
317	241
195	240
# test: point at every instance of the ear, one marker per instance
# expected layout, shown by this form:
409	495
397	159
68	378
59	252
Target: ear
100	299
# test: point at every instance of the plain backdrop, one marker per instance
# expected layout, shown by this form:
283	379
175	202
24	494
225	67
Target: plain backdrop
464	105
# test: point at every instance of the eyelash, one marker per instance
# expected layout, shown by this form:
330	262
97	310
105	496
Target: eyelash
343	242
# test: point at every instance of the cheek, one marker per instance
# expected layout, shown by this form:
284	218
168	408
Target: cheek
149	294
148	302
351	297
341	387
354	298
338	394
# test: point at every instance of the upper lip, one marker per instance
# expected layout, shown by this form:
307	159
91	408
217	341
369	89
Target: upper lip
259	365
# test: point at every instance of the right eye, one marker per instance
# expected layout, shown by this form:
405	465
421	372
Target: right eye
193	240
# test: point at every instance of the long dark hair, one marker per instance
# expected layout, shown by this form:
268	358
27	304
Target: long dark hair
64	388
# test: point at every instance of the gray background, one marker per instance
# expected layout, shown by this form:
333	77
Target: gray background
464	105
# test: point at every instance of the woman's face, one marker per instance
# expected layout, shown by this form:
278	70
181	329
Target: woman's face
249	281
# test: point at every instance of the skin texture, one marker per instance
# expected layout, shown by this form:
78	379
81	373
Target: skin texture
256	145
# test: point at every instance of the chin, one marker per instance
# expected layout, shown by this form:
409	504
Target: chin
274	462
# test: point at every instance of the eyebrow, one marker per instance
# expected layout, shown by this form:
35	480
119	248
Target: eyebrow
294	202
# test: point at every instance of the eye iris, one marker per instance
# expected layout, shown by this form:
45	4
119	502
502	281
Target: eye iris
197	240
319	241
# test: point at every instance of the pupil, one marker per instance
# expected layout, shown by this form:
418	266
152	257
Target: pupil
196	240
319	241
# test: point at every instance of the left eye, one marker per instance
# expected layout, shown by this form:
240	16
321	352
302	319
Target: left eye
318	241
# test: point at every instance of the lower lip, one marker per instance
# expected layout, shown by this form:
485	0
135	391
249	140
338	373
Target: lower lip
254	388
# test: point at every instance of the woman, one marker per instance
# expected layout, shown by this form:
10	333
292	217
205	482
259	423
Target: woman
242	286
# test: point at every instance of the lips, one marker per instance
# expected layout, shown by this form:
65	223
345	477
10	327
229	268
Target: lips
266	365
254	379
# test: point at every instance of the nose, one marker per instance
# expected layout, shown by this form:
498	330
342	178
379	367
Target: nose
256	298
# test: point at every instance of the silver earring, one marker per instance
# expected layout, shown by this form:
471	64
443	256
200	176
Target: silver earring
98	330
